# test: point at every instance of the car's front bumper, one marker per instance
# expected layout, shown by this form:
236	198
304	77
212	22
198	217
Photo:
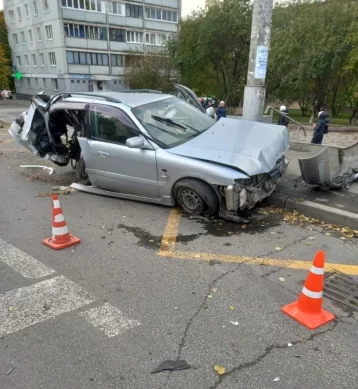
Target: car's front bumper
239	196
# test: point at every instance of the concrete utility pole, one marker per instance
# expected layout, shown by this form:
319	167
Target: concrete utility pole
254	96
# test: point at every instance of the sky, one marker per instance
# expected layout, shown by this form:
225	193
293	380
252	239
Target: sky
188	5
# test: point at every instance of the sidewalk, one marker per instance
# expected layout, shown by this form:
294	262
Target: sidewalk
333	138
331	206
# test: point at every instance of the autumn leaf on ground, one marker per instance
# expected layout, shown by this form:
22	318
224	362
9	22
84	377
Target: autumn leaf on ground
231	307
220	369
278	248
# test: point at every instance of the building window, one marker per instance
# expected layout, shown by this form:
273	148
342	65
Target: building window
34	61
28	82
83	58
18	61
16	41
35	7
27	11
117	60
88	5
49	34
19	16
54	84
42	59
134	37
27	63
31	37
46	6
23	39
37	85
117	35
134	11
52	58
82	31
11	16
39	35
116	8
159	14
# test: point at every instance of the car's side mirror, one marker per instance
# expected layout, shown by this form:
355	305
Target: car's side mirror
210	111
135	143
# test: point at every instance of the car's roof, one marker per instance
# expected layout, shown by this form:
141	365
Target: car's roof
131	99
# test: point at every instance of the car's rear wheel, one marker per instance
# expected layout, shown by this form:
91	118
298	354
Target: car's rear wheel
81	175
196	197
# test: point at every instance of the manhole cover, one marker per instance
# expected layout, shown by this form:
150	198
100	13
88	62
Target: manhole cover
340	287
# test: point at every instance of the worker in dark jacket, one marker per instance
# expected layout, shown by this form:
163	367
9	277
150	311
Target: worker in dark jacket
321	128
221	111
283	120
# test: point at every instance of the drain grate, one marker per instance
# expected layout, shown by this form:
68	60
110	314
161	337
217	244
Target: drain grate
342	288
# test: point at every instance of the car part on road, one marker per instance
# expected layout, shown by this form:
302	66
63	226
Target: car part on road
171	365
50	169
196	197
342	288
317	170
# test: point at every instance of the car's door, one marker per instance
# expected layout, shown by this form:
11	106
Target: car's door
118	167
189	96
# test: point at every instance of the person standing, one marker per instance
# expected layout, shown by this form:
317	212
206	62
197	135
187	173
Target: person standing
221	111
283	119
321	128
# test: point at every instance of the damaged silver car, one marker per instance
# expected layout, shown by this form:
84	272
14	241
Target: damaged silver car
157	148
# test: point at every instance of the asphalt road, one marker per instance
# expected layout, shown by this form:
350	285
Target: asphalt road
105	313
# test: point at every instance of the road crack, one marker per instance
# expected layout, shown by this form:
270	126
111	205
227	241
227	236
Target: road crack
269	350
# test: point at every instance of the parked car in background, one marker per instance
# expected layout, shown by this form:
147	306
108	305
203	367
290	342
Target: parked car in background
157	148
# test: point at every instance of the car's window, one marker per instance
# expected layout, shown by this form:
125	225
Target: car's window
172	121
110	128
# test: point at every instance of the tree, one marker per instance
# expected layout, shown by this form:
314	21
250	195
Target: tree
309	50
6	79
212	46
149	71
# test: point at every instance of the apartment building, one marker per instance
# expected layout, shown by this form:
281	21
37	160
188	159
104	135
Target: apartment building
82	45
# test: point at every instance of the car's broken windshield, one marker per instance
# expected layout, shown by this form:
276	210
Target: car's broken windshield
172	121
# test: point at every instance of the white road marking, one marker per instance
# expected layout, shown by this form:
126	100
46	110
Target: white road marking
44	300
23	263
109	319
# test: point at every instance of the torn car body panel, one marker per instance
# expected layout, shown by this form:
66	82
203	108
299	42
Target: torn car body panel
140	145
317	170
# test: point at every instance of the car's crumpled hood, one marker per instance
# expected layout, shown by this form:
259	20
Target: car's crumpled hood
251	147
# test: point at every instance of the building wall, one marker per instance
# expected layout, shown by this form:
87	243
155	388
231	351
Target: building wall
83	76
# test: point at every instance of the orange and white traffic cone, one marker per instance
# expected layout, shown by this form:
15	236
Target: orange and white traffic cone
60	238
308	310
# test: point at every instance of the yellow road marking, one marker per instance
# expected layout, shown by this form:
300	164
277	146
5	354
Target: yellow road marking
167	249
171	231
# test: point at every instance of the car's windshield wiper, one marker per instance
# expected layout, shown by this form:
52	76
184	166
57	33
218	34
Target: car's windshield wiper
168	120
173	122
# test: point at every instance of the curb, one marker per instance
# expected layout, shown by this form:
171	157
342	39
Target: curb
321	212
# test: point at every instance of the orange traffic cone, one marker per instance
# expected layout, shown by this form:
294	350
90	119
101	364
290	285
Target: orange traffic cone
308	310
60	238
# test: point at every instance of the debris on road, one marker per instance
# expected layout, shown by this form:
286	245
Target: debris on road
58	190
210	296
51	170
276	379
10	371
289	345
282	279
278	248
234	323
171	365
231	307
220	369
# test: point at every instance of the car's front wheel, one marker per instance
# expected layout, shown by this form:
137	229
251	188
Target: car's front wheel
196	197
81	175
